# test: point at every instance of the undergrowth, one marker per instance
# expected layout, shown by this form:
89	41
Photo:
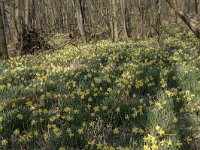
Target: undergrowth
125	95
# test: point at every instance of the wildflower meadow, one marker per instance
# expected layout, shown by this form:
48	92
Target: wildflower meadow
128	95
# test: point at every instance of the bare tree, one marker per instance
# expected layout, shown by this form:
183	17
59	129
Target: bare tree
114	24
158	20
185	19
26	12
79	18
196	7
124	13
3	46
123	18
17	18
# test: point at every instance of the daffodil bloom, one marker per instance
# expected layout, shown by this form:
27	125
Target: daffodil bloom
35	133
169	143
1	128
91	143
71	135
189	139
146	147
159	106
99	146
89	99
1	118
105	108
117	109
46	136
33	122
84	124
1	107
80	131
62	148
111	148
162	142
4	142
135	130
42	97
141	131
76	111
67	109
179	144
96	109
57	131
157	127
149	138
20	117
161	132
16	132
139	84
92	114
127	117
116	131
91	124
154	147
49	126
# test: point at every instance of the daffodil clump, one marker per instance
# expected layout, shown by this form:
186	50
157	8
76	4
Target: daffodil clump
125	95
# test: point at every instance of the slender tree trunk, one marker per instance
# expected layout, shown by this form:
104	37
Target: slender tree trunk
114	21
26	12
185	19
79	19
18	19
123	11
91	13
3	46
110	16
129	18
196	7
176	16
158	19
33	14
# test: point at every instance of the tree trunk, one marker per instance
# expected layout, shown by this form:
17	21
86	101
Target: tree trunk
79	18
110	16
158	19
33	14
114	21
176	16
196	7
185	19
26	12
123	11
3	46
18	19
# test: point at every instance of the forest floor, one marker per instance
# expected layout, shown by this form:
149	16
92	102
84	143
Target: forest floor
103	95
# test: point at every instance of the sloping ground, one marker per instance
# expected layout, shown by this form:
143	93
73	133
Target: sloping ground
103	96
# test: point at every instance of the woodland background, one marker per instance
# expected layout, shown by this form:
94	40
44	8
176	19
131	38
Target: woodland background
95	19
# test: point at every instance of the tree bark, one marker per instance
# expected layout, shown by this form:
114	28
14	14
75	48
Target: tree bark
114	21
185	19
79	19
196	7
123	11
26	12
176	16
33	14
18	19
3	46
158	19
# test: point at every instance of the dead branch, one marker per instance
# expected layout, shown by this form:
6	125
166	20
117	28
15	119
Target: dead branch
185	19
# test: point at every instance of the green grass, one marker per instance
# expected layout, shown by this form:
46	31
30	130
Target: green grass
106	95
